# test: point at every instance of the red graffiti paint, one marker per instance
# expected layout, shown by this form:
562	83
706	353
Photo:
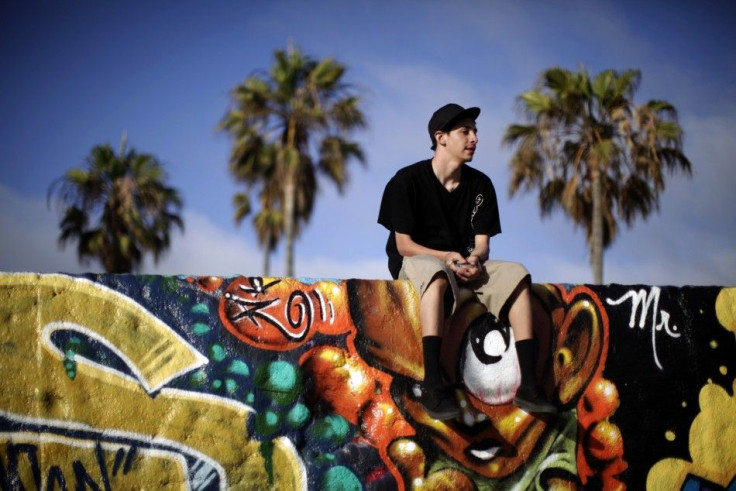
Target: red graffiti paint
282	314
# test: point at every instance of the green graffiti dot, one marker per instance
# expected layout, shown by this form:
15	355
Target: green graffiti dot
280	380
72	374
216	384
250	398
201	308
340	478
267	423
239	367
217	352
70	353
76	341
332	429
198	378
200	328
298	415
231	386
70	364
168	283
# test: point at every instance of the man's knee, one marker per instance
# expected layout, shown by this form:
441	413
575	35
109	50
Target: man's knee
439	283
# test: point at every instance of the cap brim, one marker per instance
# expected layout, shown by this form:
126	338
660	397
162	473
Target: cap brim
471	113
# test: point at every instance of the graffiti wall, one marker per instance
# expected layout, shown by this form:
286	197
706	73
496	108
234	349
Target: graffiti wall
129	382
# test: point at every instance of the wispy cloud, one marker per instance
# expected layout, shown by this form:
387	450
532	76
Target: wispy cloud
30	230
28	241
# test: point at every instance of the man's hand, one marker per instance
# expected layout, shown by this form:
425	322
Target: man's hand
465	269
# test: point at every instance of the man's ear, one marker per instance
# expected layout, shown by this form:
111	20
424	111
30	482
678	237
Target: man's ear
439	137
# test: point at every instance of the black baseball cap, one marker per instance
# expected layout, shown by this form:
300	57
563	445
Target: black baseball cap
445	117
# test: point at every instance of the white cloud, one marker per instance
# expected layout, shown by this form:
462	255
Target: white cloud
399	120
321	267
710	268
28	243
29	237
206	249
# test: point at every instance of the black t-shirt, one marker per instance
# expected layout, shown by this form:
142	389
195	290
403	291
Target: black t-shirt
416	203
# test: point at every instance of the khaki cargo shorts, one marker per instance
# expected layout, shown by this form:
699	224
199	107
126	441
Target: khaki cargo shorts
493	287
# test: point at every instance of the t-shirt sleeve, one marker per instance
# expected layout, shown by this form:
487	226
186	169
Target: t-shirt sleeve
486	218
396	207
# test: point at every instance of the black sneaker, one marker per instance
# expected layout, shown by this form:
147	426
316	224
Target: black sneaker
532	400
440	403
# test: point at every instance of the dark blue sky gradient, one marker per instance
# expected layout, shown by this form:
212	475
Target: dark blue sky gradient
77	74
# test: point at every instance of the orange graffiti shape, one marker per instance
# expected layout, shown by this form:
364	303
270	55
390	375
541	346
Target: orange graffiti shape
281	314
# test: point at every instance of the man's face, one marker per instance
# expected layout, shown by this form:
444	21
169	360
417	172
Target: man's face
461	140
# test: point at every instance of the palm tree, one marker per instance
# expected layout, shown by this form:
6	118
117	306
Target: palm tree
590	151
117	207
287	126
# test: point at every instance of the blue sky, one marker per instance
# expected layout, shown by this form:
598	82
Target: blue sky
77	74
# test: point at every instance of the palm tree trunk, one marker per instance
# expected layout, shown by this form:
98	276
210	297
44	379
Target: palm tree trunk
289	218
596	239
290	197
267	261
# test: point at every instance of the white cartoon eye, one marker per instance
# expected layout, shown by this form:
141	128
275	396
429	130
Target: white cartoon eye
488	365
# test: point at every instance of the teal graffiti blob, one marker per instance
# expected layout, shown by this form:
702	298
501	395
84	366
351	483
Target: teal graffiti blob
239	367
298	416
200	328
340	478
217	352
201	308
267	423
280	380
330	432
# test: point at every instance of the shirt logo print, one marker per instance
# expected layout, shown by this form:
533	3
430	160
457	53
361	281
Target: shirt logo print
478	202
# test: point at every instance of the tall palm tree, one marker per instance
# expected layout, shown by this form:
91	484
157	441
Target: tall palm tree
287	126
116	208
590	151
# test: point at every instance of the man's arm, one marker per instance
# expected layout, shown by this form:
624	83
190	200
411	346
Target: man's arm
481	250
407	248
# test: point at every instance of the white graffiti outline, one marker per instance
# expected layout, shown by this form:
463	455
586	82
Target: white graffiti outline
137	368
147	445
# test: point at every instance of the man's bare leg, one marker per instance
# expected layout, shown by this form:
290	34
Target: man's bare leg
520	313
432	306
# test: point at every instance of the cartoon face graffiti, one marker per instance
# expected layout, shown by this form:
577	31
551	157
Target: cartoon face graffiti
495	438
382	355
479	351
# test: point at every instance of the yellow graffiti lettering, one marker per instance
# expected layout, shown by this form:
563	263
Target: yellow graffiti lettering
114	409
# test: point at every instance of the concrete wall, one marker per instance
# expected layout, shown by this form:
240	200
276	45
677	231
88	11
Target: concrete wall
126	382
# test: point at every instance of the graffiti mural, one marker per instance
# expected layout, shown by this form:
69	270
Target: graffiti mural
133	381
